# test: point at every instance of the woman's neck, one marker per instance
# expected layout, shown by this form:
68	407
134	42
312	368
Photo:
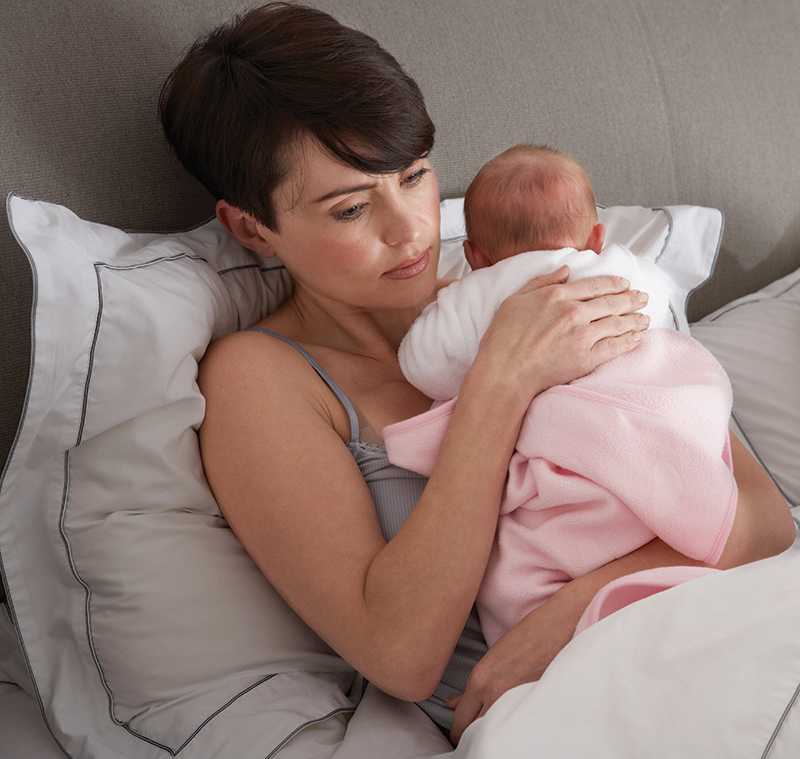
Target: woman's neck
374	333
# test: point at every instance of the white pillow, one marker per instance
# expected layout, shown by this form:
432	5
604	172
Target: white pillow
142	620
757	339
683	240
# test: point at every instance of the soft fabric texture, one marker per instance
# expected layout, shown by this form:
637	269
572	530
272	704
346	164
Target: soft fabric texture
637	449
144	622
706	670
107	526
757	339
443	341
664	103
636	587
530	560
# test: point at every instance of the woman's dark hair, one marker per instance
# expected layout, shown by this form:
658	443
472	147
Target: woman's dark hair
245	94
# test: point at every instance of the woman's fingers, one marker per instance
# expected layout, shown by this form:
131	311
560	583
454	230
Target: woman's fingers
551	332
468	708
612	320
603	295
615	304
557	277
615	345
579	289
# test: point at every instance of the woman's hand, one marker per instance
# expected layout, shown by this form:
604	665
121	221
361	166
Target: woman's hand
763	527
520	656
551	332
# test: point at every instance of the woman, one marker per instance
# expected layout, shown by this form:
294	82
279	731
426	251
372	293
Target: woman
316	144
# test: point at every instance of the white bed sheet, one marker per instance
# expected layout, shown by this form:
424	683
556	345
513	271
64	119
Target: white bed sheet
23	734
709	669
381	727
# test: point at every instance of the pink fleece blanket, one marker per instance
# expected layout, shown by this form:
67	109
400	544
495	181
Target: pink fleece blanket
637	449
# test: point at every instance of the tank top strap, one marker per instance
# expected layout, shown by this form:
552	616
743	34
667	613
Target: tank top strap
329	381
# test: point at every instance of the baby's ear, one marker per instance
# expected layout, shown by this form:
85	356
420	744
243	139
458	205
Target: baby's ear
597	238
476	258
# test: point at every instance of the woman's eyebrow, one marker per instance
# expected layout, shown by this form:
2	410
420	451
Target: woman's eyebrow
345	191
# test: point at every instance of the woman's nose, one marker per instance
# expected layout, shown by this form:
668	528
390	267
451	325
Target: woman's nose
402	225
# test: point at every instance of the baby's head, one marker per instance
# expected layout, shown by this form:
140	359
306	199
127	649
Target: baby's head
529	198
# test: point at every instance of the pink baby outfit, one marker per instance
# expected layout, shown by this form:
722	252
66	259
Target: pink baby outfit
635	450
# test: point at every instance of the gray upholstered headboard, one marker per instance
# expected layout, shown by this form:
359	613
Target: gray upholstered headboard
664	103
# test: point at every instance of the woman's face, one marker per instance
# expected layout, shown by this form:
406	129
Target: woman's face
362	240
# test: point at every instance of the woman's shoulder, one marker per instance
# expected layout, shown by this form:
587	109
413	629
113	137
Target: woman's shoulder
252	358
235	352
249	373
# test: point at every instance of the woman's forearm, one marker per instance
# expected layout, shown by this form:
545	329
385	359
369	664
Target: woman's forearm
421	586
762	527
423	583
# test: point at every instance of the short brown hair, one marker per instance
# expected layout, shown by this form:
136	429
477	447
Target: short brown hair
530	197
245	94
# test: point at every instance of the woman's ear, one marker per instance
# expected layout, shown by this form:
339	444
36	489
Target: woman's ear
244	229
597	238
476	258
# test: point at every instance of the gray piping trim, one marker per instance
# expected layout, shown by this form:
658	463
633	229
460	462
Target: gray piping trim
341	710
781	721
8	601
773	296
670	229
25	406
34	300
723	312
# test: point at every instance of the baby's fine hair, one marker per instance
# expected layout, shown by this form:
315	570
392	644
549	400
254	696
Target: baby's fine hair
530	197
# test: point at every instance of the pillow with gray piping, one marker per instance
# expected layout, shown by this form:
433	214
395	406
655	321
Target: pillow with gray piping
683	240
756	338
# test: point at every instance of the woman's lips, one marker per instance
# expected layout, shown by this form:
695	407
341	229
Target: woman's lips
411	269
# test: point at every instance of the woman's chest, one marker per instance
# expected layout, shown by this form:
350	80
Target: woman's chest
378	390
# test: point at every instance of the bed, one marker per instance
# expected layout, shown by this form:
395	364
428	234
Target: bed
132	623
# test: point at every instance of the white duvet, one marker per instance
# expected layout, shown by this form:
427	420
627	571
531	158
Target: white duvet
708	669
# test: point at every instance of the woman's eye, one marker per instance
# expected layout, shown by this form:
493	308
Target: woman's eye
350	214
412	180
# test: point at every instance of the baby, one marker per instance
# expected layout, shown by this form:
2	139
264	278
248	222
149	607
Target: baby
529	198
635	450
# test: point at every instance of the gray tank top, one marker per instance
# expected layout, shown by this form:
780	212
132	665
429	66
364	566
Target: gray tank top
395	492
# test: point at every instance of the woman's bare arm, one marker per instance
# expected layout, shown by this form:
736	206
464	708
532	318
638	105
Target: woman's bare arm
291	491
762	527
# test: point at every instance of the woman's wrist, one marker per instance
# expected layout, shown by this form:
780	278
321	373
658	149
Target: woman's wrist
502	382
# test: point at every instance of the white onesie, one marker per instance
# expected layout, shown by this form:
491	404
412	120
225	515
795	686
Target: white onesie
443	342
